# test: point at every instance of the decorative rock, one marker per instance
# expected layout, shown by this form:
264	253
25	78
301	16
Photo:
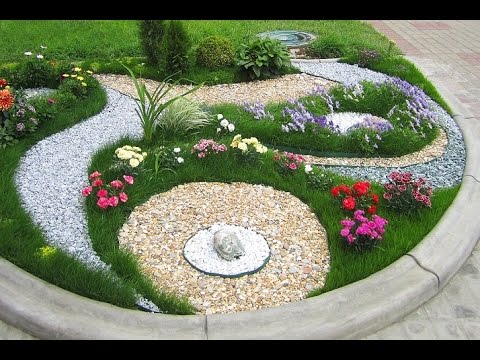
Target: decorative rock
227	244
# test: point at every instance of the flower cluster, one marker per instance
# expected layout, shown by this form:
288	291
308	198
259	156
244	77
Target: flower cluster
406	194
363	233
78	75
247	149
359	196
299	117
167	158
367	57
257	109
108	195
38	56
225	125
367	133
318	178
77	82
329	99
354	92
287	163
6	96
207	146
130	156
416	106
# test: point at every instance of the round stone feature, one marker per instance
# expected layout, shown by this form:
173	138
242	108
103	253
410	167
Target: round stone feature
200	252
290	38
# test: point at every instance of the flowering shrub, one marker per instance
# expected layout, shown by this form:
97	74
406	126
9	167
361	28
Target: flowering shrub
108	195
363	233
17	117
287	163
329	99
367	57
205	147
129	158
224	125
257	109
300	117
35	70
359	196
247	149
77	82
406	194
317	178
167	158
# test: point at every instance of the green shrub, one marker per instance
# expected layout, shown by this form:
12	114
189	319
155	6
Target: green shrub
151	37
215	52
330	46
181	117
367	57
262	58
176	45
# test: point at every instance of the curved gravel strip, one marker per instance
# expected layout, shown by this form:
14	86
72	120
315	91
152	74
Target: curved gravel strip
52	173
444	171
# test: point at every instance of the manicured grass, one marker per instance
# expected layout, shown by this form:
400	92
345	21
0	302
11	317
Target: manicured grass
346	266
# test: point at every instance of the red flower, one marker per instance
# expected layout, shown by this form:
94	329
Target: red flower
361	188
6	100
345	189
117	184
103	203
102	193
375	198
97	182
335	191
95	174
86	191
123	197
349	203
113	201
372	209
3	82
292	166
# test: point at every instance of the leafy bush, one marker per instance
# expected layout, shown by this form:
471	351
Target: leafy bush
330	46
262	58
318	178
181	117
151	37
150	106
215	52
176	46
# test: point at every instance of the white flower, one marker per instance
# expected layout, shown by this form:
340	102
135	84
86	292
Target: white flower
144	154
218	130
134	163
39	56
180	160
176	150
242	146
224	123
28	53
219	116
231	127
43	47
308	168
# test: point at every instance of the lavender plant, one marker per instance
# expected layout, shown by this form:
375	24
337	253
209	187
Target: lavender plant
257	109
300	117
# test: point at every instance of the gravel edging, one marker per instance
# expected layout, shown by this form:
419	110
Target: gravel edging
352	311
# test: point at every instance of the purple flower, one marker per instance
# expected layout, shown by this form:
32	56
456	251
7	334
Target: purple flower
20	127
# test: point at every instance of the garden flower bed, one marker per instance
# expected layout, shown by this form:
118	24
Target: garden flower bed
98	159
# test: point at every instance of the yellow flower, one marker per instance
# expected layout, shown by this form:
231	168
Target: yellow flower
136	148
65	75
242	146
7	87
144	154
46	251
84	84
89	72
73	75
134	163
80	78
77	69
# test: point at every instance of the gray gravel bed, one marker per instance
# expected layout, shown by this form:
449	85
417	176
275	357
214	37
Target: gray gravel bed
52	173
31	93
444	171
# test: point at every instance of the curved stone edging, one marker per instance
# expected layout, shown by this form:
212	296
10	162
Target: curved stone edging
356	310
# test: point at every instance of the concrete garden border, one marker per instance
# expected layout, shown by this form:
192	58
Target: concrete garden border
356	310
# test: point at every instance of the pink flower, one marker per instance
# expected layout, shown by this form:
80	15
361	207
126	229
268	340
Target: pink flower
344	232
117	184
94	175
103	203
87	191
113	201
97	182
102	193
292	166
128	179
201	155
123	197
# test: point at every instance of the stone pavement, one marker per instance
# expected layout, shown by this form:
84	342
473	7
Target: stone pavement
448	52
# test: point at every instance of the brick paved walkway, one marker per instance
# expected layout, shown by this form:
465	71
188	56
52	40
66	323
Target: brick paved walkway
449	53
